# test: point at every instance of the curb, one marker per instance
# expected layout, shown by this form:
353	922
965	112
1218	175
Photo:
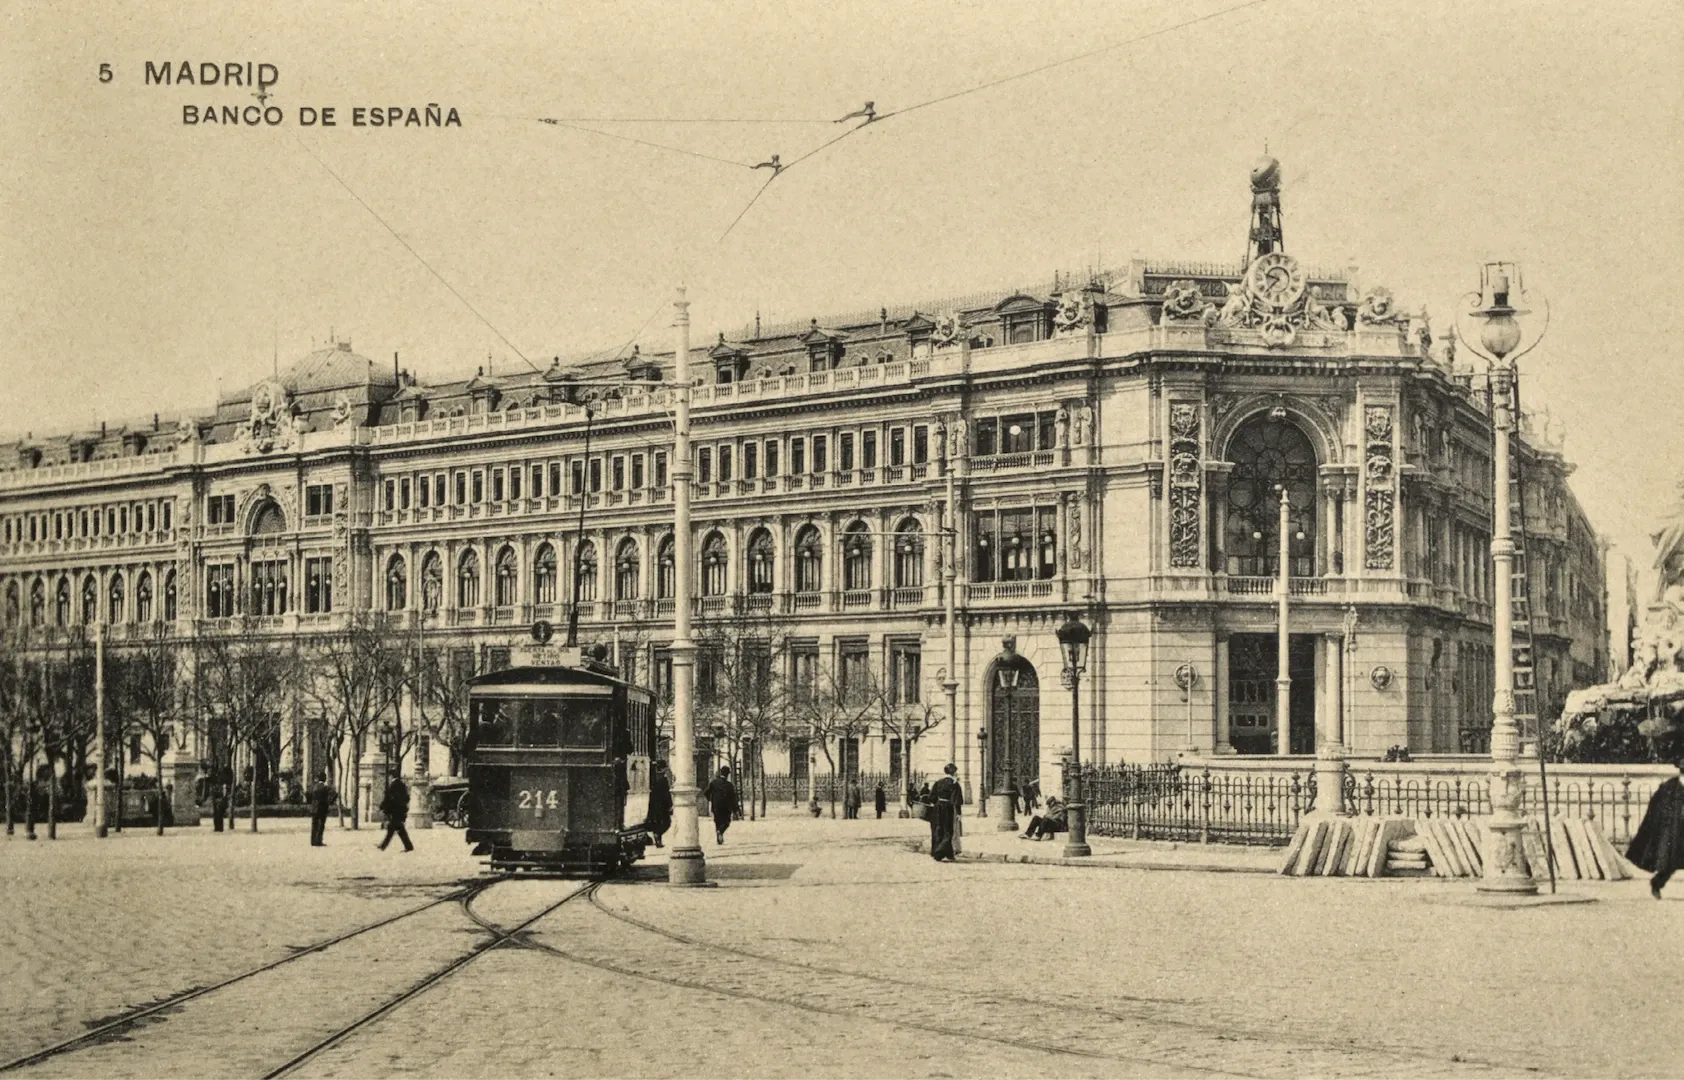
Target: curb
1092	863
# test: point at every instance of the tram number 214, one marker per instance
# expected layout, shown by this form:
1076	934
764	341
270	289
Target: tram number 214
540	800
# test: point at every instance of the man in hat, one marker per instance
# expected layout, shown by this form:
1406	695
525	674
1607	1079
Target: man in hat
721	795
660	802
395	805
945	797
321	801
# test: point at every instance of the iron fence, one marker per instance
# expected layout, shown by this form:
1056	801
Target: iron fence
1615	802
784	788
1168	802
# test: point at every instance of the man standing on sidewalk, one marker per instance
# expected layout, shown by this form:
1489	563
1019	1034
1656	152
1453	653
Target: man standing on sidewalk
395	805
321	800
721	795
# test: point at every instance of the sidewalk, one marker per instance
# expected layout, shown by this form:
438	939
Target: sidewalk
982	842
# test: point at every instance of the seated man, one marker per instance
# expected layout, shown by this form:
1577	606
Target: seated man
1055	820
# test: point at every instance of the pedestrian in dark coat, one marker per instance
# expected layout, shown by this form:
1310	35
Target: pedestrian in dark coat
1658	846
395	805
721	795
660	802
321	801
880	800
851	800
944	799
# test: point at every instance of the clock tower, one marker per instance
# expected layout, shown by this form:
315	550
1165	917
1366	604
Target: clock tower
1265	209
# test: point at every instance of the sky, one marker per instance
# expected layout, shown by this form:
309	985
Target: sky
145	262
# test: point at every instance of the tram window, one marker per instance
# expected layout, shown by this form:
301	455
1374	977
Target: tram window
587	724
542	725
494	722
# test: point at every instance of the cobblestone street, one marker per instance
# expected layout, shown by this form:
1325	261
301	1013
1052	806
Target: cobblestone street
828	948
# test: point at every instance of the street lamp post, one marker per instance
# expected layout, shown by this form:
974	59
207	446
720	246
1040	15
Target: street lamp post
950	677
1073	639
685	864
1283	649
1504	858
1004	797
982	772
99	728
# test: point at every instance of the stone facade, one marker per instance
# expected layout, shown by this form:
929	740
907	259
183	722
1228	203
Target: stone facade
1114	445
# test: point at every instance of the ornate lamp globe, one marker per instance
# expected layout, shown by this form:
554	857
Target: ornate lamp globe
1073	639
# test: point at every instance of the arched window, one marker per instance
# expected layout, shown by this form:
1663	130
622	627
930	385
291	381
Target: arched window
761	560
90	600
856	557
627	569
587	571
38	602
115	612
143	598
12	604
269	521
467	580
909	556
666	575
809	560
169	597
432	582
61	603
507	591
1270	453
543	575
715	565
397	584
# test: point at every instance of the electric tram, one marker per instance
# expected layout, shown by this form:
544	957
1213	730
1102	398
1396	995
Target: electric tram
558	757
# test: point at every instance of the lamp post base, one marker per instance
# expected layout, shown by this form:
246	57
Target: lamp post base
1004	814
686	866
1076	814
1504	856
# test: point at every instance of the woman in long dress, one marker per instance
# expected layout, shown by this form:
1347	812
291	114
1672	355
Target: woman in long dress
1658	846
945	797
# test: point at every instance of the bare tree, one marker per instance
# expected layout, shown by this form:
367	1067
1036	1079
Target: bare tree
441	699
357	674
143	686
907	720
833	709
13	718
243	682
741	688
62	693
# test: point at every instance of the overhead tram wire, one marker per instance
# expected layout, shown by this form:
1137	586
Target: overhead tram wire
641	142
406	245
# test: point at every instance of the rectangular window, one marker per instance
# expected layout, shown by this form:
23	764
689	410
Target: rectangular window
751	460
663	675
498	488
618	473
906	674
819	462
461	489
868	450
318	585
151	517
920	445
219	512
637	472
479	486
555	478
661	469
596	474
537	482
438	490
403	494
704	466
1017	434
986	441
424	489
123	526
845	451
771	457
853	669
219	591
391	495
515	474
1046	431
797	456
804	669
576	468
897	446
725	464
985	544
58	526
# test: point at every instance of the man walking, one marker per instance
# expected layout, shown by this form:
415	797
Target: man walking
721	795
395	805
321	800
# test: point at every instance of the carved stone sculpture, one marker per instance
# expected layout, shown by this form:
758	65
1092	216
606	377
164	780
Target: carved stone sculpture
1183	302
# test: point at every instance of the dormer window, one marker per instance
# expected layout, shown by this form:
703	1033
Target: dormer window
730	363
1022	319
824	347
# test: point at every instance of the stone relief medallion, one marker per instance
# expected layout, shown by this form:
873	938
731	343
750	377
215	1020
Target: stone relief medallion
1075	311
1183	302
950	330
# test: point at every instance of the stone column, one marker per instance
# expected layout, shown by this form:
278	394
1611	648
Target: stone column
420	784
1219	697
1330	747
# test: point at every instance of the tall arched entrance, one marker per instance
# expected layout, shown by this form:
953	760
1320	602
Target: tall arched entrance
1014	722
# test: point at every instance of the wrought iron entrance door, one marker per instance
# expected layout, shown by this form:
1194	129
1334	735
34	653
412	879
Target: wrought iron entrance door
1014	748
1252	724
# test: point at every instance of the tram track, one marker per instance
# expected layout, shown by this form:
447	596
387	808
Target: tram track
128	1021
1147	1035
